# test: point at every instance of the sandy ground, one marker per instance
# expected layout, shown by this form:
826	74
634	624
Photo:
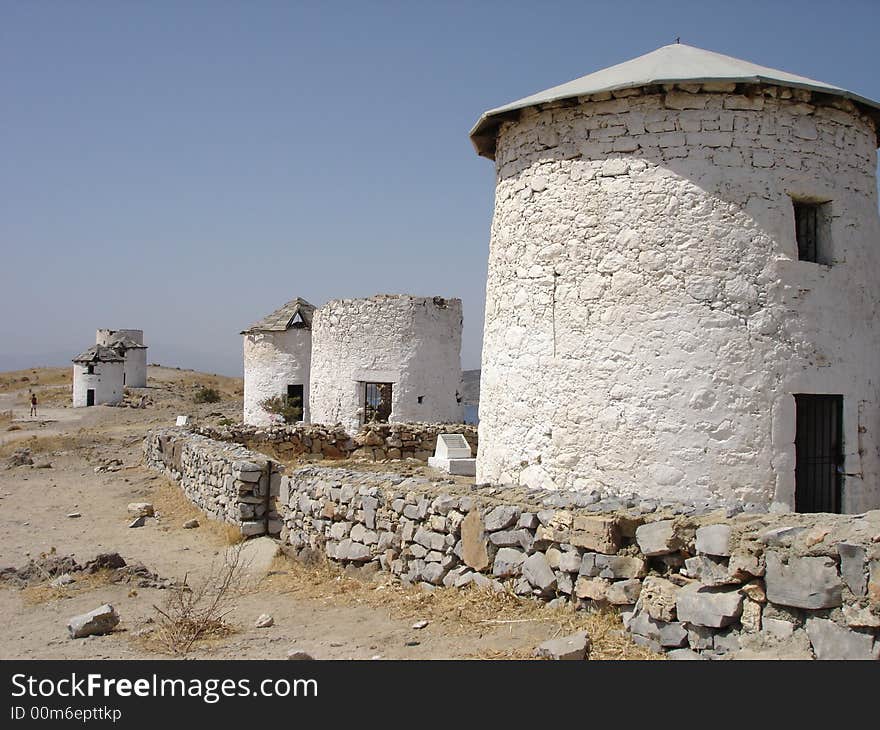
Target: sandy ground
320	609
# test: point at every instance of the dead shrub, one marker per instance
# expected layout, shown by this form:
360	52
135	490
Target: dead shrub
193	613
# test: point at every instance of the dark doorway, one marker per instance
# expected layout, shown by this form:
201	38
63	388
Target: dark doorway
90	397
377	402
295	395
819	453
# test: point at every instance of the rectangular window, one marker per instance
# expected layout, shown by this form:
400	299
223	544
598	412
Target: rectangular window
90	369
811	226
377	402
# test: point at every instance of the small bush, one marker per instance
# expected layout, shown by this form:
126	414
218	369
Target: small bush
289	408
206	395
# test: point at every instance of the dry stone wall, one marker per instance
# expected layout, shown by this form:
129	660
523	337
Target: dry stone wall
698	586
648	321
227	481
373	442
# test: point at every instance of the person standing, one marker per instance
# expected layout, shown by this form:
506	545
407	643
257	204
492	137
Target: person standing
33	404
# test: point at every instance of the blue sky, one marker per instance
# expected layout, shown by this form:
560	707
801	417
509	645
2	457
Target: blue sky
186	167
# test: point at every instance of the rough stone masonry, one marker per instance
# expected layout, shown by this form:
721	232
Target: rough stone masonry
696	581
227	481
696	586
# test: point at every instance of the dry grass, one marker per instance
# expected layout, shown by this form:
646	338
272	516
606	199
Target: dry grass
45	444
458	610
175	509
34	378
55	396
195	613
83	583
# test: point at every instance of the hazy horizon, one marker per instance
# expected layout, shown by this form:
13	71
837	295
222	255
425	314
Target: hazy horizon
185	169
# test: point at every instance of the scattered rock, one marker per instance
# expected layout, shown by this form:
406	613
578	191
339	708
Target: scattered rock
299	655
138	522
141	509
264	621
102	620
105	561
191	524
574	647
74	514
420	624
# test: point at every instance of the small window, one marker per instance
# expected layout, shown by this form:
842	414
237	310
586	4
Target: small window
811	226
377	402
90	370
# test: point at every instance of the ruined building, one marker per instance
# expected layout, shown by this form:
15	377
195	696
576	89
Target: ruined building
389	358
129	344
682	290
97	377
116	361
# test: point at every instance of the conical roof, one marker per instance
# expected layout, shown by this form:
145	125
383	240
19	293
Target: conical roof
676	63
99	353
297	312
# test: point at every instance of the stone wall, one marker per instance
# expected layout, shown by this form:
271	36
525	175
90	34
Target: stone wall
412	342
710	585
373	442
648	321
227	481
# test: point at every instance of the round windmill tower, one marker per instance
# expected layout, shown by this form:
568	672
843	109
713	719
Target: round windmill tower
683	286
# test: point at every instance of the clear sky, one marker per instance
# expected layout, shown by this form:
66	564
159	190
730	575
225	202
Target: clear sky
187	167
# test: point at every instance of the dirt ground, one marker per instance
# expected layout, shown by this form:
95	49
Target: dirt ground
321	609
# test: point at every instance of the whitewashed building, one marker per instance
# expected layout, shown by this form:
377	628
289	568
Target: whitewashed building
394	358
683	286
389	358
130	345
277	357
97	377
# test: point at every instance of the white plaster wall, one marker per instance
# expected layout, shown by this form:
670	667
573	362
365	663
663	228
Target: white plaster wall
412	342
272	361
647	318
136	367
106	381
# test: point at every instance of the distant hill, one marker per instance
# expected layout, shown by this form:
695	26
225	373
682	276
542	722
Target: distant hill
471	381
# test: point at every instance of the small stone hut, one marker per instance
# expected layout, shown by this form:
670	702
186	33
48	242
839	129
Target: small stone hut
98	377
682	293
277	357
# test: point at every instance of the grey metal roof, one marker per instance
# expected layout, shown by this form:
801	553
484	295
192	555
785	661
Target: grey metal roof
99	353
283	318
676	63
